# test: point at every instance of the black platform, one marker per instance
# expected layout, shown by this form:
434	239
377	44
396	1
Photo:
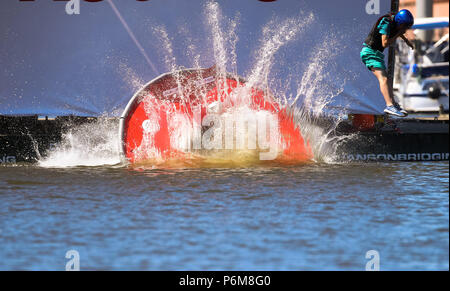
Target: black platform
408	139
23	139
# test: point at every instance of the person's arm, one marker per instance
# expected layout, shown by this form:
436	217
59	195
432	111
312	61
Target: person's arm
387	41
384	28
407	41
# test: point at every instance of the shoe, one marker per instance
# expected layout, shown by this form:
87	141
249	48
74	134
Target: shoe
392	110
399	108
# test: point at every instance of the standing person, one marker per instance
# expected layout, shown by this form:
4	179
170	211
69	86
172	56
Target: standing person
385	31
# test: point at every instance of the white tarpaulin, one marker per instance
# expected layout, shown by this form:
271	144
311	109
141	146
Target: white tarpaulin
52	63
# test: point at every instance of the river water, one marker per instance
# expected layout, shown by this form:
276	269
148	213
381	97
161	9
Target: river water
307	217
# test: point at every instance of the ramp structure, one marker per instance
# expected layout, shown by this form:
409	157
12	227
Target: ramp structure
170	116
61	70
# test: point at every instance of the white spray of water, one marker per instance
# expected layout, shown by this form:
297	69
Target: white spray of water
90	144
191	51
129	76
275	36
219	41
314	94
233	40
98	143
169	57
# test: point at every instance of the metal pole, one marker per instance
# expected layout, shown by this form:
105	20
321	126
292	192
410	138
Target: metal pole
391	59
424	9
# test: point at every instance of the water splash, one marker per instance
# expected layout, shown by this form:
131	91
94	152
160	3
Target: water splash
130	77
98	143
90	144
169	57
314	95
275	36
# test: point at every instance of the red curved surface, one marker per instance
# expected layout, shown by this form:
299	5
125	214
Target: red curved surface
294	147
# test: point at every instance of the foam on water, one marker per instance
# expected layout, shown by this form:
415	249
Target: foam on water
98	143
90	144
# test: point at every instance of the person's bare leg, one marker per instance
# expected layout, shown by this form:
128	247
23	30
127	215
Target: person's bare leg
384	86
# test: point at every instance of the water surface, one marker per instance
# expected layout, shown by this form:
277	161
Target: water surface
309	217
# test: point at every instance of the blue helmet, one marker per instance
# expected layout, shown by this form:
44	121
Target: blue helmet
404	17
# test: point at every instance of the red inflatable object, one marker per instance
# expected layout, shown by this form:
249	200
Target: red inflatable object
146	132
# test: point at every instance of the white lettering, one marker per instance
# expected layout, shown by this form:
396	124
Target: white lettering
74	261
212	138
373	7
73	7
374	261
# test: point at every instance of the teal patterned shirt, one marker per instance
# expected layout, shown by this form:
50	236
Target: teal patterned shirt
384	27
